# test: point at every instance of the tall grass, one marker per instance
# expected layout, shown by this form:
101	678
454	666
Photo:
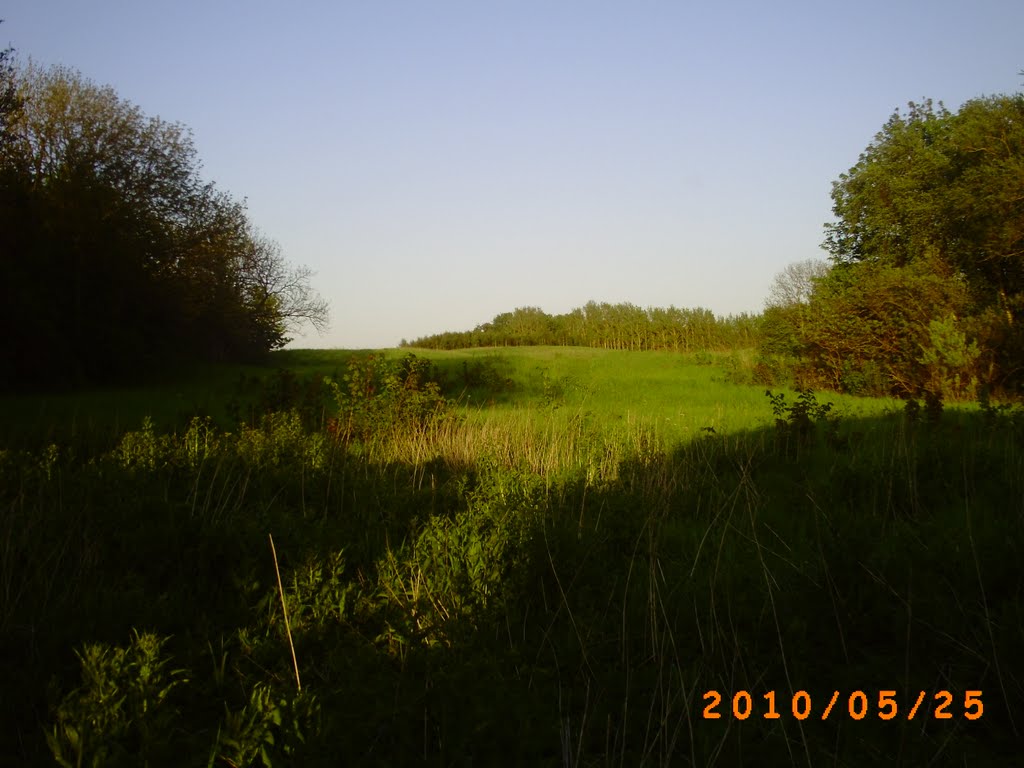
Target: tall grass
533	581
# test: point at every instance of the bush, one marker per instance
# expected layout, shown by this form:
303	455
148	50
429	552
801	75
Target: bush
864	380
378	397
773	370
799	419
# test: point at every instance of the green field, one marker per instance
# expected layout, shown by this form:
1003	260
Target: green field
535	556
667	391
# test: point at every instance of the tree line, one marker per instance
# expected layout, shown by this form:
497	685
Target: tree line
117	256
923	294
621	326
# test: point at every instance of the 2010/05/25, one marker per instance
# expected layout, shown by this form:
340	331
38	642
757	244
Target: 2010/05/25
857	705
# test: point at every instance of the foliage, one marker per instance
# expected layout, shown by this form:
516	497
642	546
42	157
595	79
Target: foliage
798	420
281	441
762	368
795	283
120	713
589	566
943	192
866	325
310	396
271	729
489	375
461	570
605	326
380	397
144	449
949	359
118	258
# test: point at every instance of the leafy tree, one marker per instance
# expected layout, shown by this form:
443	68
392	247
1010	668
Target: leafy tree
80	246
524	326
868	328
945	191
983	223
610	326
117	255
886	205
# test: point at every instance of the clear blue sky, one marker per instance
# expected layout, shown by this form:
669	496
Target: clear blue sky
438	162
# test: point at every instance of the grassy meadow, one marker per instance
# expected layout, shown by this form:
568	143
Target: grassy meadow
528	556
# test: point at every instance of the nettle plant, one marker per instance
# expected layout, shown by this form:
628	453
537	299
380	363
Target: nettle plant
123	714
121	705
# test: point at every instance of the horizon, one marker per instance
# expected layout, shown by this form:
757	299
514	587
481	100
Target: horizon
438	166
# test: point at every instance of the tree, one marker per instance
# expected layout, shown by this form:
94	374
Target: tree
611	326
100	201
9	102
938	183
117	255
785	314
278	295
795	283
868	328
945	191
886	206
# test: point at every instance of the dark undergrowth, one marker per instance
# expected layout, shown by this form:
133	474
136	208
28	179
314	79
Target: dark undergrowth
447	610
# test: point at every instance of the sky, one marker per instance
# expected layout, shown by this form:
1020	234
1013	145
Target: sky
437	163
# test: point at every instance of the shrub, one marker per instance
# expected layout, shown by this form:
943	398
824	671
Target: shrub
949	359
280	441
378	397
799	419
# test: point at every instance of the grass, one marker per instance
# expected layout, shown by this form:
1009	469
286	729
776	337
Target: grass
673	393
559	571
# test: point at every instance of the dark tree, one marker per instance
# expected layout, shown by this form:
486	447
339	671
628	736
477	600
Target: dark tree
278	296
117	256
9	102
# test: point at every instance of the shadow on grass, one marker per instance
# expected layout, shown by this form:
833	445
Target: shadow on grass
481	613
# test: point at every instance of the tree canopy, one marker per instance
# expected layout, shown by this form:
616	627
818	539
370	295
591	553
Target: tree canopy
939	183
117	255
8	94
608	326
928	247
795	283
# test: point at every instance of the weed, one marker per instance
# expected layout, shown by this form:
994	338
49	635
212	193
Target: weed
798	420
120	707
269	730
